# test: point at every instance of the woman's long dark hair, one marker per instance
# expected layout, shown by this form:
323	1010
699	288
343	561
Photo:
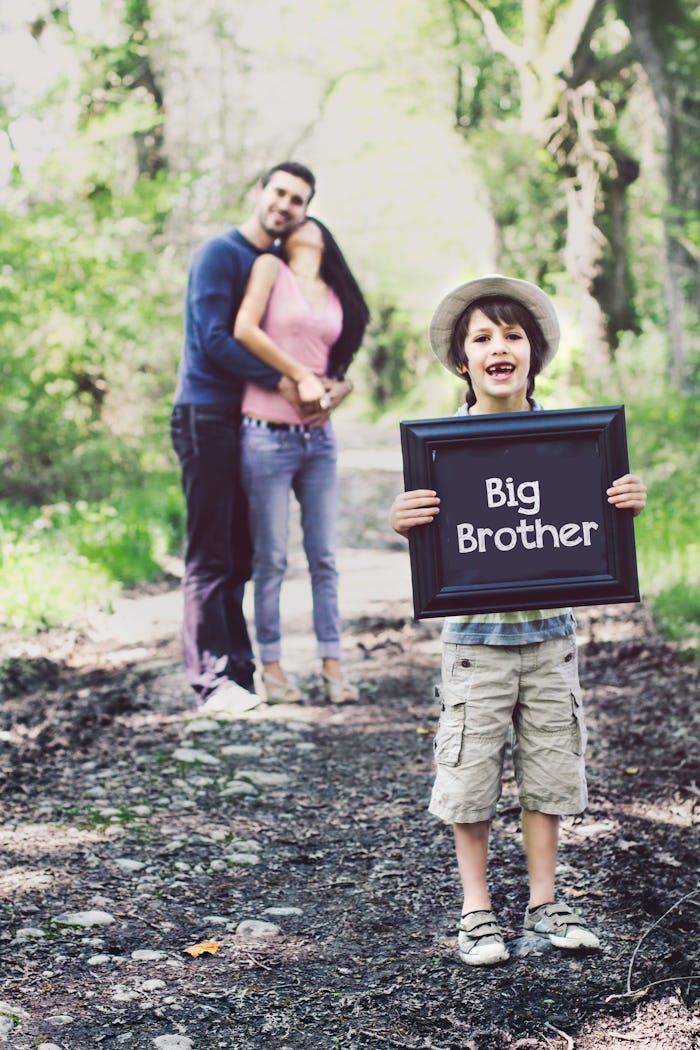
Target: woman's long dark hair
338	276
499	310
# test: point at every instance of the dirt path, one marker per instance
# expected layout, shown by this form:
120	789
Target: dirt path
297	840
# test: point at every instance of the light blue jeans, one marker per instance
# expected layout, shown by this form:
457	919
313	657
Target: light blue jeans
274	464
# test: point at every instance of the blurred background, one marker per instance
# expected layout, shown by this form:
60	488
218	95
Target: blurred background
554	141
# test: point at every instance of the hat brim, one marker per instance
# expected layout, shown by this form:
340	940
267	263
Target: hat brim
456	302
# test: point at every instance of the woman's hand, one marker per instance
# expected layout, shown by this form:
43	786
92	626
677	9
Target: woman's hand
416	507
311	389
628	493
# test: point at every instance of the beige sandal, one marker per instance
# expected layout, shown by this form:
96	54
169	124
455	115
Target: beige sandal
280	690
339	690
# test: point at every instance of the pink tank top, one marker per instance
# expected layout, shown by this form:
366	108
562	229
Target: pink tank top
291	323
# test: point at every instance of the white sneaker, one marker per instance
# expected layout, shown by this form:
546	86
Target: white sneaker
565	928
228	702
480	941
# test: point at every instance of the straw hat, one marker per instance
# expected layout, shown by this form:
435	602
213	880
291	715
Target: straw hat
453	306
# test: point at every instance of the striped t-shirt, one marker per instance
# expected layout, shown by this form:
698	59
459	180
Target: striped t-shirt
508	628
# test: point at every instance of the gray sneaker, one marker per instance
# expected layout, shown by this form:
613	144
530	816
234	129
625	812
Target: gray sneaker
228	703
564	927
480	940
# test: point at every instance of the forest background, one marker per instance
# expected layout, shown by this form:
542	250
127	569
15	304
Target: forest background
554	141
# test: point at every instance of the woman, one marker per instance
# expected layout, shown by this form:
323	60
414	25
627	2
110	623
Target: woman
304	314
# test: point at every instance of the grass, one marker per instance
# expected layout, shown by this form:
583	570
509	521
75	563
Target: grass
664	441
59	560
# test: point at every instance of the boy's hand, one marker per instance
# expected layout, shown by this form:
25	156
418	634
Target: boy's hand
417	507
628	493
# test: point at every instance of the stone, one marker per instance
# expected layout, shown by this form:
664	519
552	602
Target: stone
238	788
281	736
261	778
194	756
257	928
202	725
29	933
242	859
127	865
147	955
242	751
245	845
85	919
13	1011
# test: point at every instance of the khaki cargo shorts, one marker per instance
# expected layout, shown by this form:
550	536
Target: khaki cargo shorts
489	692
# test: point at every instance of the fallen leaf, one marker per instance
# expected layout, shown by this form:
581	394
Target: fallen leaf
632	770
211	947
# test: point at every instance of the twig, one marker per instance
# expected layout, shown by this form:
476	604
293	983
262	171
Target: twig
386	1039
639	992
252	961
569	1040
645	935
137	918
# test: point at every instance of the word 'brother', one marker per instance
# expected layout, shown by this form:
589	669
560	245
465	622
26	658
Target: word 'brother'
532	535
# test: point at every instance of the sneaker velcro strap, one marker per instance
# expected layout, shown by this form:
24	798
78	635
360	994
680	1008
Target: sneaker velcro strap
560	914
482	925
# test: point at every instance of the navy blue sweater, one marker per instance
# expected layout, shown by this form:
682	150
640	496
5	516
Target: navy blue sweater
214	366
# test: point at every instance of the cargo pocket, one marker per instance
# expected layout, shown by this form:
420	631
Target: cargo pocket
450	730
578	728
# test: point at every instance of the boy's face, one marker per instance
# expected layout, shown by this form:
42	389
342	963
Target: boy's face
498	363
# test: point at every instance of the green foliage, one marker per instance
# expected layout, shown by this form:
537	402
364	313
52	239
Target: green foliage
526	201
664	440
677	612
389	359
58	560
90	292
87	351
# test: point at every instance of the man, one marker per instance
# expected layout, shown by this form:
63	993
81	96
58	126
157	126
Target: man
205	432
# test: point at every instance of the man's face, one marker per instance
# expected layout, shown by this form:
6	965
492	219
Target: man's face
281	205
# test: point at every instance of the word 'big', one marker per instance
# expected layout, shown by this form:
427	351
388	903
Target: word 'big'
531	535
526	498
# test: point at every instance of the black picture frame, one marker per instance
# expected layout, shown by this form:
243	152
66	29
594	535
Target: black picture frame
497	476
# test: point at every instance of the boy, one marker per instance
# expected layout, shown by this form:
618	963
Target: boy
503	670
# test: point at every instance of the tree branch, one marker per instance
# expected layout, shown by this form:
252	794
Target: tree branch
604	69
570	27
498	40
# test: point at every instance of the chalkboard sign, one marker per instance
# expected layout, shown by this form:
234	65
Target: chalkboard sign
524	521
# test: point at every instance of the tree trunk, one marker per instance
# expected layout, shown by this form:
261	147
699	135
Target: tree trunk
648	25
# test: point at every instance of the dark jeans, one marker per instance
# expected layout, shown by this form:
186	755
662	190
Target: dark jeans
218	555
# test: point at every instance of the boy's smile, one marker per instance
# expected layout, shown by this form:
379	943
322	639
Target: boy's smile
498	362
